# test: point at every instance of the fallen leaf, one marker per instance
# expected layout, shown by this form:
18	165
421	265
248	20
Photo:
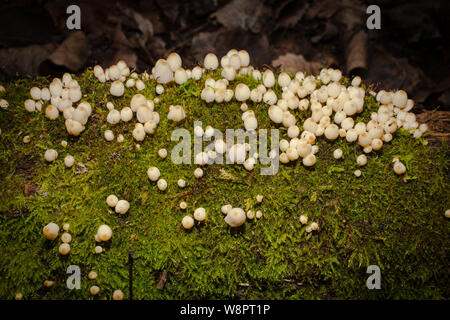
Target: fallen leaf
292	63
72	52
249	15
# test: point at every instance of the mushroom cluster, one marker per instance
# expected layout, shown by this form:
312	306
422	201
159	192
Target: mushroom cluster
216	91
329	104
61	95
120	206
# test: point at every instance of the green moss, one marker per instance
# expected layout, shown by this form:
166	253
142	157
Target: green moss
380	218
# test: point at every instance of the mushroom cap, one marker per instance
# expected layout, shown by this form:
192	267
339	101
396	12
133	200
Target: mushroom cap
211	62
181	76
50	155
236	217
126	114
153	173
136	101
66	237
118	295
112	200
174	61
268	78
104	232
74	127
69	160
94	290
337	154
187	222
122	206
161	184
51	231
162	72
117	88
64	248
200	214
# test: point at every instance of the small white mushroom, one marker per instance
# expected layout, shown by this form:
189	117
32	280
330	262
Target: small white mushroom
187	222
211	62
268	78
337	154
309	160
250	214
198	173
51	231
118	295
242	92
112	200
162	153
176	113
4	104
122	206
104	233
109	135
153	173
162	72
181	76
174	61
200	214
94	290
64	248
113	116
66	237
447	213
181	183
126	114
361	160
69	161
138	132
236	217
50	155
30	105
226	208
117	88
161	184
399	168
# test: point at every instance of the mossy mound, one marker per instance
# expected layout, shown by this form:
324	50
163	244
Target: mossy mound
395	222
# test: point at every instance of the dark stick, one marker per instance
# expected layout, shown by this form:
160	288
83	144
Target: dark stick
130	273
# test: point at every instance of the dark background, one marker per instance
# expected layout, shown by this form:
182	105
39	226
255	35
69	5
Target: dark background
410	51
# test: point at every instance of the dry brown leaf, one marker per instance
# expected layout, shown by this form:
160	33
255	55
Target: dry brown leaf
292	63
25	60
72	52
244	14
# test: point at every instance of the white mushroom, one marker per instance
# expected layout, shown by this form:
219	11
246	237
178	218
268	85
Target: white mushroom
236	217
122	206
51	231
187	222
